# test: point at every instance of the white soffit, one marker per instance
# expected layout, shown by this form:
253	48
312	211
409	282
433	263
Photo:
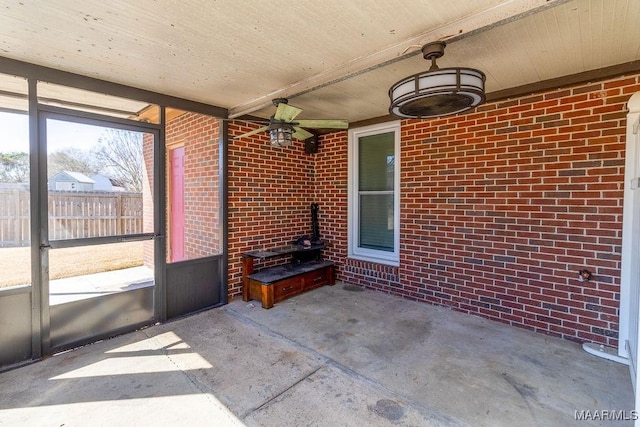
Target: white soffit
229	53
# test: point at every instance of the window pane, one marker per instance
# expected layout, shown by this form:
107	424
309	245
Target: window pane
193	186
376	221
92	271
15	224
96	180
376	162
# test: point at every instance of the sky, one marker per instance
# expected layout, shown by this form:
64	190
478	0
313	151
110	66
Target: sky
14	134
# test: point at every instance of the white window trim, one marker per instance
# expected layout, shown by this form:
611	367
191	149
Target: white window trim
365	254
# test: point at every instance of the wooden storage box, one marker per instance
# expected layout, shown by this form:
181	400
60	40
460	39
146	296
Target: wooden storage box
274	284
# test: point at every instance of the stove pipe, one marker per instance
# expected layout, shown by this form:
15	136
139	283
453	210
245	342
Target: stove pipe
315	230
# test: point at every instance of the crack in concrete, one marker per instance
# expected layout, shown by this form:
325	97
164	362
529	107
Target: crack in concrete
429	412
277	395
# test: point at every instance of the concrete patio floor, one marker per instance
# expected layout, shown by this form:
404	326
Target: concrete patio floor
336	356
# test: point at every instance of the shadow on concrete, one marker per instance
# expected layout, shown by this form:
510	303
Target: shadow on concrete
328	357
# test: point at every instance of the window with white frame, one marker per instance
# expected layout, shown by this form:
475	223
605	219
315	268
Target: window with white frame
374	193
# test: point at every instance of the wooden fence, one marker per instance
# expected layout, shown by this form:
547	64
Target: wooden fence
72	215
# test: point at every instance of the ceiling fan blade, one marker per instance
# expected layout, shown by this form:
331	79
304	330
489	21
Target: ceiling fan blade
253	132
301	133
252	121
324	124
286	112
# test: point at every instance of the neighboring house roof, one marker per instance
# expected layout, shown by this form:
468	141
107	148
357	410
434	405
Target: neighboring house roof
104	183
76	176
116	182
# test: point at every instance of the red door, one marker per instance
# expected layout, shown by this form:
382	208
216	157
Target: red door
177	204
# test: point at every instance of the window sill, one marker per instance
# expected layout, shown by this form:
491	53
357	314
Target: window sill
384	261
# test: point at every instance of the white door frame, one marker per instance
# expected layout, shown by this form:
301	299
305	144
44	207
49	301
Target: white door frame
630	246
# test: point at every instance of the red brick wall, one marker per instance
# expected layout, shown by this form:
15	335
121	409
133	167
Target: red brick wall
331	190
501	207
270	195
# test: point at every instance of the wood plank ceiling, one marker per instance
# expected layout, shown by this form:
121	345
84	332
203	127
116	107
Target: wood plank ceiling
334	59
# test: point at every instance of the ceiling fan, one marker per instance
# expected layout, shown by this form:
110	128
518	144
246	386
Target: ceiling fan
282	127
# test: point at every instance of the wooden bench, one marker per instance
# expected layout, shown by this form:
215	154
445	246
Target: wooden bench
274	284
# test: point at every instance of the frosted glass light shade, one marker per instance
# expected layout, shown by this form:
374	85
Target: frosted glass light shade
441	92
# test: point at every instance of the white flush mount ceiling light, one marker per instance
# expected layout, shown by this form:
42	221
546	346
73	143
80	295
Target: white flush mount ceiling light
439	91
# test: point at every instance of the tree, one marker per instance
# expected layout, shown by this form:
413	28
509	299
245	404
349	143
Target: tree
72	160
14	167
119	153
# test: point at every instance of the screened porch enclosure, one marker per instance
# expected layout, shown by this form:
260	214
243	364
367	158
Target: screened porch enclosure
85	221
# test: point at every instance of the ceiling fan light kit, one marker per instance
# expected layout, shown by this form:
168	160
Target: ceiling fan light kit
281	134
283	130
439	91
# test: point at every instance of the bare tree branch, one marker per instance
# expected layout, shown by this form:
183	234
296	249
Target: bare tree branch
72	160
120	154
